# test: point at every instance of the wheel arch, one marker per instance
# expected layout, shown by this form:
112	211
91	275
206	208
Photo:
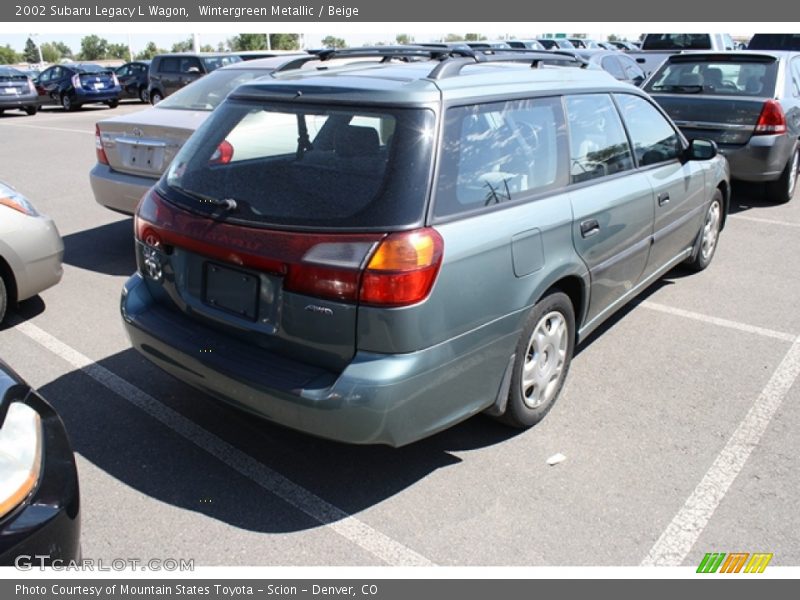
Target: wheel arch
11	282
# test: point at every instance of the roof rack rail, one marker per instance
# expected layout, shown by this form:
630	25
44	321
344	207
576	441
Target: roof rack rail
453	66
386	53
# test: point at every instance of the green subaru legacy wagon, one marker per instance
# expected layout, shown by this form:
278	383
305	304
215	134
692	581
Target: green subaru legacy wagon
376	251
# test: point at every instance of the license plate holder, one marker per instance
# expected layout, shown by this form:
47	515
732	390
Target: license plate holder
231	290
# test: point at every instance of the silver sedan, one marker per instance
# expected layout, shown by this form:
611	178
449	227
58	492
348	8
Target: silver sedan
31	249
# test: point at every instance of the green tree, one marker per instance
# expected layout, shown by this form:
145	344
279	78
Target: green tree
404	38
118	51
31	52
474	37
453	37
93	47
206	48
64	50
284	41
186	45
149	51
50	53
612	37
8	56
330	41
248	41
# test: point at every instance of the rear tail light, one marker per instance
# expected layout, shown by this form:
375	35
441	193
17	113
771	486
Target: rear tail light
76	81
114	79
98	147
377	269
223	154
403	268
400	270
771	120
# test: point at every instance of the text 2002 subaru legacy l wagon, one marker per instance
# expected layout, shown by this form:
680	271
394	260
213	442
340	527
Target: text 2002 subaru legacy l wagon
376	252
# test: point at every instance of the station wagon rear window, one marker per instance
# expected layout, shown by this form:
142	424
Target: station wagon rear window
307	166
735	76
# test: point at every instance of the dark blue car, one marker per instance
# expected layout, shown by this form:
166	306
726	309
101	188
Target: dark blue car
75	84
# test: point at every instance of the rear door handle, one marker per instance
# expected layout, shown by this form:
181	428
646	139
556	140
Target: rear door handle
663	198
589	227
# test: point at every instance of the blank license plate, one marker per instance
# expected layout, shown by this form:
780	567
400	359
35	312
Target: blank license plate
231	290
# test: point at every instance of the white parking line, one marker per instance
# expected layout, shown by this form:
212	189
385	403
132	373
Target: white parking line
760	220
679	312
685	529
376	543
47	128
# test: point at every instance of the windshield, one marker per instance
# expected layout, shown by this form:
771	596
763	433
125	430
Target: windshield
12	73
213	63
307	166
91	69
207	92
719	78
677	41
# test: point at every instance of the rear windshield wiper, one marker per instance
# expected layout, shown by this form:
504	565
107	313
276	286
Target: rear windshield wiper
226	204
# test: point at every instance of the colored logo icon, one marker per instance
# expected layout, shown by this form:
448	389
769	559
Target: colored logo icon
735	562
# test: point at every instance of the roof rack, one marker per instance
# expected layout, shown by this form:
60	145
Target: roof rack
453	66
386	53
451	60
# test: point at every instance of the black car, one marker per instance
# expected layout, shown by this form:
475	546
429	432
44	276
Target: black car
133	79
39	497
170	72
75	84
17	91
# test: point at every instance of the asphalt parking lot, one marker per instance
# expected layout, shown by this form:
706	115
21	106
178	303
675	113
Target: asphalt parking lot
675	422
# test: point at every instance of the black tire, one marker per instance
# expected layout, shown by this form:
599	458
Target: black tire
708	236
113	103
155	97
67	104
143	95
782	189
31	110
3	299
528	403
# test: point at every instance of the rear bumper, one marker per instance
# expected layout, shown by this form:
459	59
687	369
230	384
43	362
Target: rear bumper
21	101
118	191
81	96
46	527
763	158
392	399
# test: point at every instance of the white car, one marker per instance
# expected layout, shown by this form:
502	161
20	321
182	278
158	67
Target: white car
31	250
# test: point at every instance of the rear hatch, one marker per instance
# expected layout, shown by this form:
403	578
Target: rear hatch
715	96
145	142
14	83
277	220
92	78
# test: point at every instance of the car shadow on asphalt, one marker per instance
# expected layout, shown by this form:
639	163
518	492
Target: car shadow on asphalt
747	196
105	249
24	311
165	456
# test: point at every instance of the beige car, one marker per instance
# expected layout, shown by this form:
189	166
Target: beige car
30	250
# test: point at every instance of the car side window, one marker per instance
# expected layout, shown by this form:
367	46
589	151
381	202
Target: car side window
654	139
499	152
190	65
611	65
597	141
170	64
796	76
123	71
45	77
632	70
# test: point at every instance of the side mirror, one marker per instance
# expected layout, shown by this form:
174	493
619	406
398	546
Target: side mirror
701	150
638	80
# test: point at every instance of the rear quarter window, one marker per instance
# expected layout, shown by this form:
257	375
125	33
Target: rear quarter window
493	154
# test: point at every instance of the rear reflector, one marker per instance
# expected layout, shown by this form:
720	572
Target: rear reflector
771	120
98	147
